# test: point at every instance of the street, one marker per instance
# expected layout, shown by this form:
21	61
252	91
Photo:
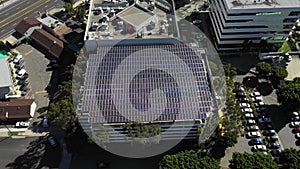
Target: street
11	15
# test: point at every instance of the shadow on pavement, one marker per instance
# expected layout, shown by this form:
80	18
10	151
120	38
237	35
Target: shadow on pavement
250	81
38	154
279	116
265	88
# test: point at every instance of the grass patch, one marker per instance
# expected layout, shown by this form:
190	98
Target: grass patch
286	47
13	133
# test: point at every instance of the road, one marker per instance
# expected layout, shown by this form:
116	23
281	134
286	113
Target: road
14	13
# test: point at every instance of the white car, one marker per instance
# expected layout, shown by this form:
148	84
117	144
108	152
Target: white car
22	124
297	135
253	134
21	73
245	105
247	110
295	113
251	122
257	99
295	123
254	94
18	59
249	115
259	148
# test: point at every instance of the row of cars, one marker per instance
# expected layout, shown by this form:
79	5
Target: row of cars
295	125
21	73
255	123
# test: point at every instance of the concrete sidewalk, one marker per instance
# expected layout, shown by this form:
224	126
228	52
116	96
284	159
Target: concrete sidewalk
4	132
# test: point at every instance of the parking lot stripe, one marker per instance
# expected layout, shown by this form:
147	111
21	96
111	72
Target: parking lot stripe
41	92
27	53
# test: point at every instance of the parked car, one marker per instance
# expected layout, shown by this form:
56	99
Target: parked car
257	99
276	152
297	129
264	120
272	138
266	126
253	134
245	105
261	109
252	128
259	104
295	124
25	76
23	82
21	124
45	122
269	133
238	89
254	94
295	118
259	148
297	135
52	141
256	141
251	122
21	73
247	110
274	145
295	113
19	66
249	115
241	94
18	59
24	88
243	100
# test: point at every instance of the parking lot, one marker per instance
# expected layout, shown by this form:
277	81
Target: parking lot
35	65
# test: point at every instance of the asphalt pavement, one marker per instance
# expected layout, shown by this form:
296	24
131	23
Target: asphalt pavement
12	14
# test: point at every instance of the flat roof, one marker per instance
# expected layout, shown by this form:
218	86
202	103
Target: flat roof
146	82
5	79
135	15
246	4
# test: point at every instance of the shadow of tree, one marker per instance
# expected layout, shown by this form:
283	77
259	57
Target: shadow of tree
38	155
218	151
250	81
265	88
279	116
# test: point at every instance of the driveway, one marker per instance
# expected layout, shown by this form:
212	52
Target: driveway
293	68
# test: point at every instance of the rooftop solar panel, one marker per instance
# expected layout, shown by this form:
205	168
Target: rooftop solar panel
146	83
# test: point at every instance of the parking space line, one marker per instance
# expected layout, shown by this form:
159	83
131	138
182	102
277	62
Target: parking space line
27	53
41	92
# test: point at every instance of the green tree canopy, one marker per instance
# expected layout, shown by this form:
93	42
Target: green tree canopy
256	160
264	68
69	8
290	158
188	160
229	70
279	72
289	94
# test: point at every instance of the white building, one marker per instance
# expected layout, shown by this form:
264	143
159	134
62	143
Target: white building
5	78
237	21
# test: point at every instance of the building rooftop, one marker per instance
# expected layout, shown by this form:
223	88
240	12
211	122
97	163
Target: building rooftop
246	4
146	82
142	19
5	72
25	24
48	41
16	108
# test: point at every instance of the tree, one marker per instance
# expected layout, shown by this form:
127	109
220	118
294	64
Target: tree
69	8
290	158
264	68
229	70
188	160
289	94
256	160
279	72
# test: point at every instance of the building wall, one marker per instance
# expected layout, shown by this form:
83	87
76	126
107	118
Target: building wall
232	27
4	91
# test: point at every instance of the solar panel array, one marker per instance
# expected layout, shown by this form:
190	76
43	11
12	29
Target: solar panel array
146	83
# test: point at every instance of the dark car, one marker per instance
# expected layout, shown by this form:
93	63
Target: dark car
272	138
24	88
269	133
25	76
23	82
276	152
19	66
243	100
241	94
274	145
238	89
264	120
295	118
256	141
266	126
